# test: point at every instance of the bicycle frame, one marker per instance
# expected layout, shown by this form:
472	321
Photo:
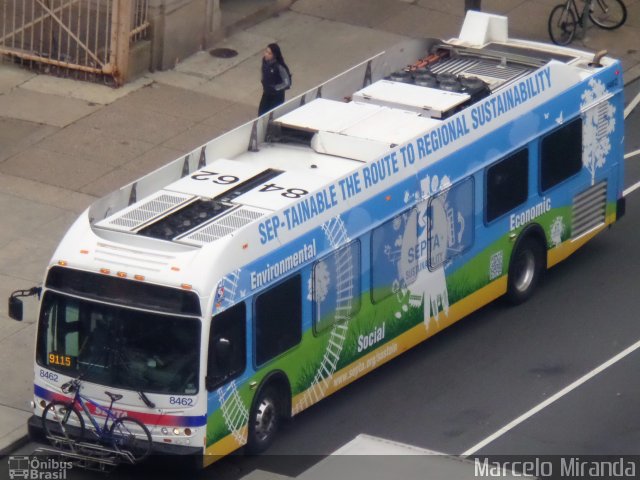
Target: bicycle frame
580	16
118	439
569	21
82	401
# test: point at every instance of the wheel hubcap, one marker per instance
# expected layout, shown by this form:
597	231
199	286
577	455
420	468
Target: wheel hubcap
525	270
265	418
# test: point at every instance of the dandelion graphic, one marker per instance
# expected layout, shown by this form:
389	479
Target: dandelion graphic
557	229
598	124
323	281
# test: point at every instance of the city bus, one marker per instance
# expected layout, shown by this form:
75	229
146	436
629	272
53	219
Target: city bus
263	271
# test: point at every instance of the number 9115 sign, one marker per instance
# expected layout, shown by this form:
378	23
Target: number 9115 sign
60	360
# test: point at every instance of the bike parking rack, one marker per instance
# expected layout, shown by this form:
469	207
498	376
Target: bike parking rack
87	455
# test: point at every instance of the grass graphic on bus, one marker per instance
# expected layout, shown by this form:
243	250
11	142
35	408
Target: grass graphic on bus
398	311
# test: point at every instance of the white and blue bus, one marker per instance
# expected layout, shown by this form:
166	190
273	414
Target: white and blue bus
251	278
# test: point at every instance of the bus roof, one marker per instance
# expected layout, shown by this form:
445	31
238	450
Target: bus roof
193	206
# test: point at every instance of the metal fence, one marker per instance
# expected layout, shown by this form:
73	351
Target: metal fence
88	36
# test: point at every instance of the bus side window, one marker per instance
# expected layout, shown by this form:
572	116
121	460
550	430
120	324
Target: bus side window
336	286
227	346
278	319
561	154
507	184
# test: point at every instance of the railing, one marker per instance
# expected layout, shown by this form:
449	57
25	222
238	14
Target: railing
64	36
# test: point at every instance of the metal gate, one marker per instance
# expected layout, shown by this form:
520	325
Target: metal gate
90	36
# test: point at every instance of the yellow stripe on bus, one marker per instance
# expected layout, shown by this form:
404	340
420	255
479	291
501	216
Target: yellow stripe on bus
223	447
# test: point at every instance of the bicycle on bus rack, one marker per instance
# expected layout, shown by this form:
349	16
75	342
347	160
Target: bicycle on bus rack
565	19
119	437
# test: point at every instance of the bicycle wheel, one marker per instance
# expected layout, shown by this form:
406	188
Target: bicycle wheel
62	420
131	436
562	25
608	14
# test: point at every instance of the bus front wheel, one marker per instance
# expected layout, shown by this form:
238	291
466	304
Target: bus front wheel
525	269
265	420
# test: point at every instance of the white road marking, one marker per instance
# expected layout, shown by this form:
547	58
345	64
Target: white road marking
552	399
631	154
633	104
630	189
637	185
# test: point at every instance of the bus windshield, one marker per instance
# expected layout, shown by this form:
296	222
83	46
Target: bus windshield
119	347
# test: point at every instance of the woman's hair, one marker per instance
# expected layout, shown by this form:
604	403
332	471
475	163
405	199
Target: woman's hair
277	54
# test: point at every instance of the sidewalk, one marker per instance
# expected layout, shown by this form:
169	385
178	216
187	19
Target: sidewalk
65	143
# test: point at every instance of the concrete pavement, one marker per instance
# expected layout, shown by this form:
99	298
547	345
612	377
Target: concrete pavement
65	143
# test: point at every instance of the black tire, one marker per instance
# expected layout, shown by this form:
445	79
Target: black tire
130	436
608	14
62	420
562	25
525	269
264	421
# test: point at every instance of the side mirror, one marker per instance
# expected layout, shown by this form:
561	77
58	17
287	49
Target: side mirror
15	308
15	304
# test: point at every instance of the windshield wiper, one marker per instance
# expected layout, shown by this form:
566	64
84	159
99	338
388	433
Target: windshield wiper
146	400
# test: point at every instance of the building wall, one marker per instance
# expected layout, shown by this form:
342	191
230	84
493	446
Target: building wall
180	28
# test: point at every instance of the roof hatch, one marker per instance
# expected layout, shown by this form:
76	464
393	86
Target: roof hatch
192	202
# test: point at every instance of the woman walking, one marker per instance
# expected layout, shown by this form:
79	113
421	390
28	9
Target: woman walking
276	78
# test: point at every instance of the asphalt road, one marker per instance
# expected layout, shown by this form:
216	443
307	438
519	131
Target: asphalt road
474	378
601	416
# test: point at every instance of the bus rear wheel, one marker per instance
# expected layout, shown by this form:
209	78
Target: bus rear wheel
525	269
264	421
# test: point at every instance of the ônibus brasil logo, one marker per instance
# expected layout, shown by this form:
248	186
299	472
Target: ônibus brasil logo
38	468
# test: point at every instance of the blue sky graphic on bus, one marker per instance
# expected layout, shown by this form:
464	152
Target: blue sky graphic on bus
386	248
335	281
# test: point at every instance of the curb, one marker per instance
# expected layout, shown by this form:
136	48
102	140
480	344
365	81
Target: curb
22	438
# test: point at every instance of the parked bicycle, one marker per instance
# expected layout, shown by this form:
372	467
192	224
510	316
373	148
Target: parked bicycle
565	19
63	423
